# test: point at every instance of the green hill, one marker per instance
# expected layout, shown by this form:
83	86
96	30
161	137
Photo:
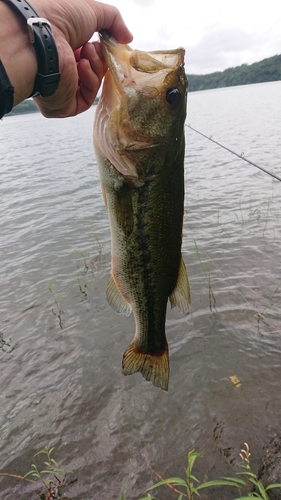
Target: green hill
29	106
268	70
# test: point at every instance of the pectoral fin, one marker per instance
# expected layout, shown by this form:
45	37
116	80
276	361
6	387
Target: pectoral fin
115	299
123	210
181	294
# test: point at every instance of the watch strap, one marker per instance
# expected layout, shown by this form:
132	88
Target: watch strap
6	92
48	75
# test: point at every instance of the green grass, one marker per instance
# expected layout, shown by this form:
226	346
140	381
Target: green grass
51	475
190	487
52	478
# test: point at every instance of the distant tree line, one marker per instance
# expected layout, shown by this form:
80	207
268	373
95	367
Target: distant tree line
29	106
268	70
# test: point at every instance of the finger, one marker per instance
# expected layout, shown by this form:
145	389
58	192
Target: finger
90	80
98	50
77	54
109	17
92	52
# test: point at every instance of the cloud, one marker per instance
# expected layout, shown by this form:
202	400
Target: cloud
221	49
217	50
216	34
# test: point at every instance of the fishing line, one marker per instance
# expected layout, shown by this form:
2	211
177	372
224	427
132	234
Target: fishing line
241	156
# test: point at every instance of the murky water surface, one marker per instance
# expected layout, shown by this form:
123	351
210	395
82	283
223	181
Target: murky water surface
61	345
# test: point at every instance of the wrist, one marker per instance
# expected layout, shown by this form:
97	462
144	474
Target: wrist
17	53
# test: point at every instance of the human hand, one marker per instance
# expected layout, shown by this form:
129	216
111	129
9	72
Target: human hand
81	63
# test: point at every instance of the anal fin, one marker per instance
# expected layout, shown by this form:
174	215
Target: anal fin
181	294
115	299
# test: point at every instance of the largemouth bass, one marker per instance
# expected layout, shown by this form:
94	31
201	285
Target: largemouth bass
139	145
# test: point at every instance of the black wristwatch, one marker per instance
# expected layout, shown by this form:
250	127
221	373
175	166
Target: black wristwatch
48	76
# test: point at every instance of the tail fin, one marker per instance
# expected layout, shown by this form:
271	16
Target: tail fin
153	367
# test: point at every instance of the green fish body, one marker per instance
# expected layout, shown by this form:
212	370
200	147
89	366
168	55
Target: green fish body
139	144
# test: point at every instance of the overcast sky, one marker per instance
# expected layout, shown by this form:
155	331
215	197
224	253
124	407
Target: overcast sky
216	34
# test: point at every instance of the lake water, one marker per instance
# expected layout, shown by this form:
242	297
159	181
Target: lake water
61	345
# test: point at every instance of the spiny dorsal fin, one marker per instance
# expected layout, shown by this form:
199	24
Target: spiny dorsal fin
153	367
115	299
181	294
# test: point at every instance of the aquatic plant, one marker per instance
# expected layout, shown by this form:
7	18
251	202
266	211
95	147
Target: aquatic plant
57	311
252	482
222	229
207	271
99	245
90	264
190	483
52	476
268	305
190	486
53	479
5	345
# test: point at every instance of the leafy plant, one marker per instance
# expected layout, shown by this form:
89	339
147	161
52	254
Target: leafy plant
191	486
252	480
51	476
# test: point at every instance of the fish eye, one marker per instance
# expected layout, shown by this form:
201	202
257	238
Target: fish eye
173	96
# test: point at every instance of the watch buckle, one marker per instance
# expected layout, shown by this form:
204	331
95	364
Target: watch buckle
39	21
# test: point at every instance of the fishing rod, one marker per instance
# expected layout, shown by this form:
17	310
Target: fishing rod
241	156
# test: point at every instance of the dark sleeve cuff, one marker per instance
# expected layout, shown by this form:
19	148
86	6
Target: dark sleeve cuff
6	92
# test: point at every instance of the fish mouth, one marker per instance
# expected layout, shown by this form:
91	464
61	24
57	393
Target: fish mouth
130	68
